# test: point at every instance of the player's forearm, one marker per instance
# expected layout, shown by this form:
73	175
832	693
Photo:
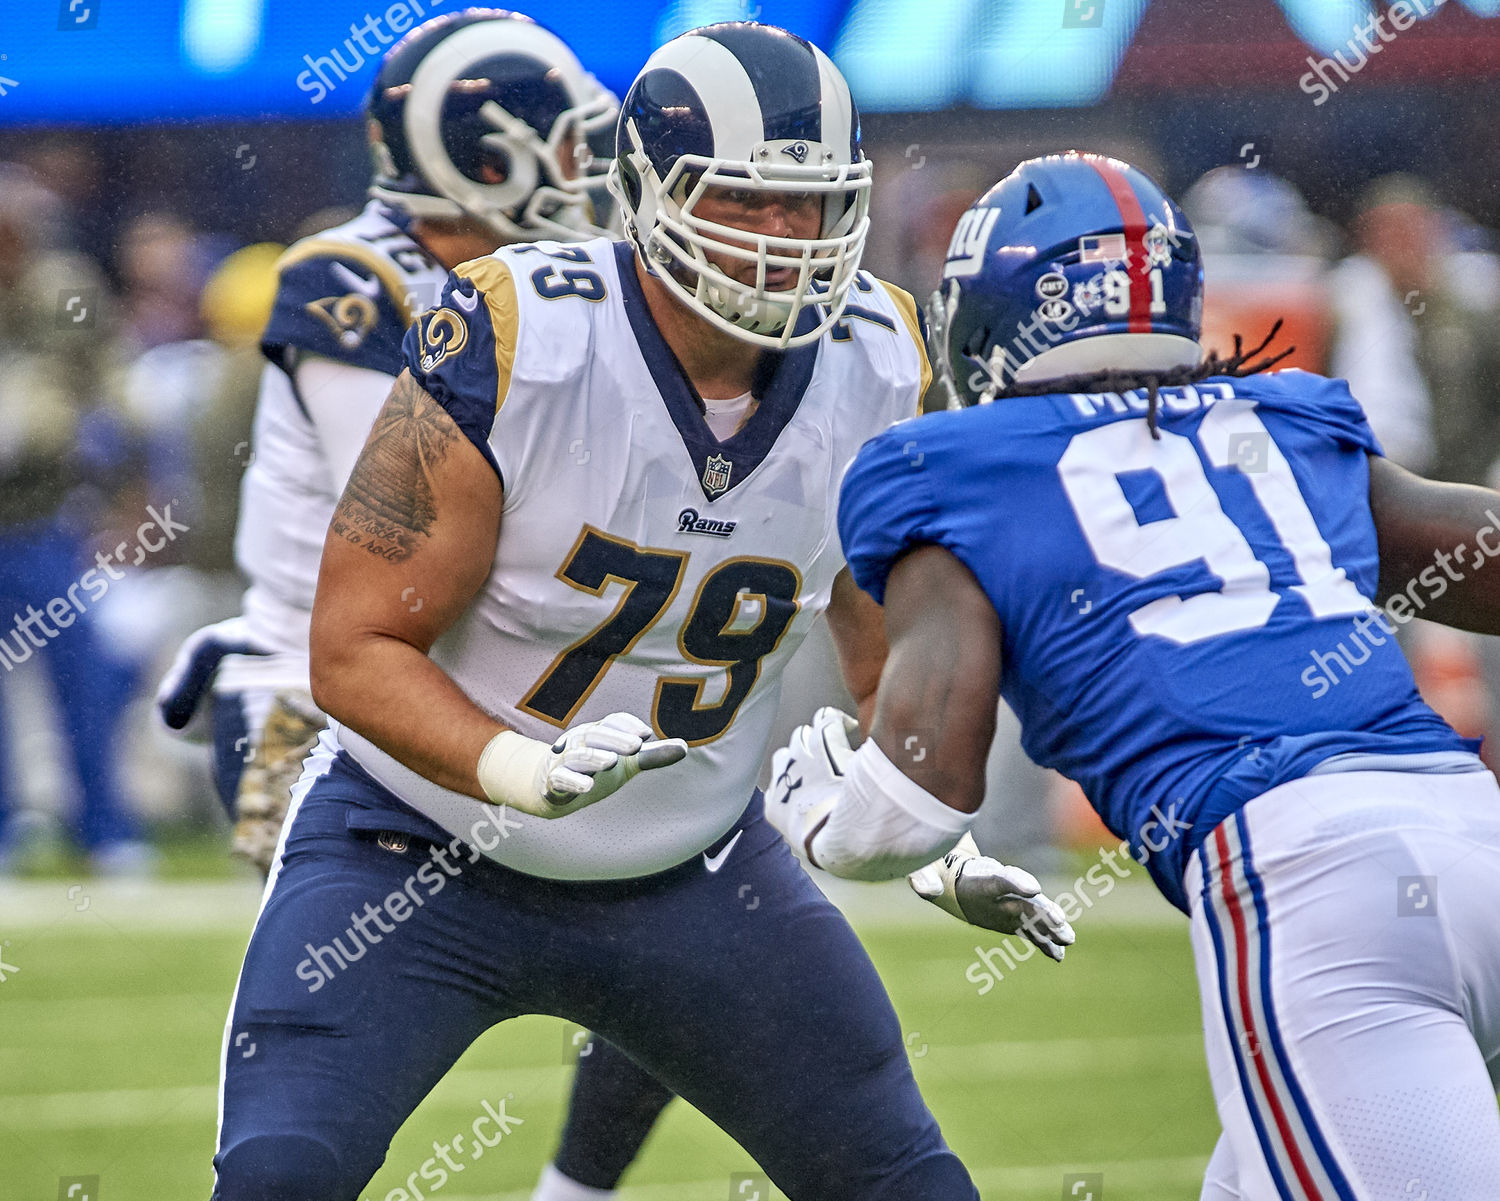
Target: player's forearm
391	693
858	630
935	715
1439	547
420	513
936	734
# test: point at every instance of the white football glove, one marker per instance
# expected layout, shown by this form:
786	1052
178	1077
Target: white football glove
587	763
807	776
987	893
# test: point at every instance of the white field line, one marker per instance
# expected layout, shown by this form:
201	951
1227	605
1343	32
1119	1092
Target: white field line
90	1018
109	907
997	1061
1045	1179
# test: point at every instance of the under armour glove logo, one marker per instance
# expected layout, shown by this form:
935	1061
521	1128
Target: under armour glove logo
791	785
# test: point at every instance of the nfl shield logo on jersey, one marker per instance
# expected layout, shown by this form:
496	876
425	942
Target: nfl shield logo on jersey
716	475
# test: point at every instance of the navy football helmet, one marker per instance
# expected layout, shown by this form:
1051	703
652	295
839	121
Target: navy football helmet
744	106
487	88
1071	265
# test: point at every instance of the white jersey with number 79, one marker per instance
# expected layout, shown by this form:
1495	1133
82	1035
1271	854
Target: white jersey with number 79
643	565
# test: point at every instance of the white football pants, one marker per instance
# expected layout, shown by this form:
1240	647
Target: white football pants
1346	929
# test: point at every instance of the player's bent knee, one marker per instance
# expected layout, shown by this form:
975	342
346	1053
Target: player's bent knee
938	1176
281	1167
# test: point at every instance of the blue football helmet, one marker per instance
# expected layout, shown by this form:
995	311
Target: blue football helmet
1071	265
486	88
751	107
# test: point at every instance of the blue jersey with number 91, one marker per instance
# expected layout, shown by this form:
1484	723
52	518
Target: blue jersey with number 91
1186	621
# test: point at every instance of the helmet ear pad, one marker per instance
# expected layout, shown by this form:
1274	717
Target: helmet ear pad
630	183
628	178
644	196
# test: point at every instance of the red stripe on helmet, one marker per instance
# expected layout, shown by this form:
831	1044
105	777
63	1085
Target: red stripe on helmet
1134	219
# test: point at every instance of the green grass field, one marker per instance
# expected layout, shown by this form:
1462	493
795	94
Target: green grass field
113	998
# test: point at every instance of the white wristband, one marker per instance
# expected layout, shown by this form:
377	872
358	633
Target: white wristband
512	770
886	824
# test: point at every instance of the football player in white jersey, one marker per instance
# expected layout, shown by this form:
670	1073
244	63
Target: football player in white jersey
479	122
590	525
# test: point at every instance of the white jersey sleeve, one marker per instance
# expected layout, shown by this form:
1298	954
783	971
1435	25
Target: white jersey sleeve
342	403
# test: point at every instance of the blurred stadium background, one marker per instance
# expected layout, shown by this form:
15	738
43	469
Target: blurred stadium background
155	158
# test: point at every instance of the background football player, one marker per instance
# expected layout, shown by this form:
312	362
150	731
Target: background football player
1229	697
479	123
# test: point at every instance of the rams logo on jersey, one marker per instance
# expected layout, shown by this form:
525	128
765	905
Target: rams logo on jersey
443	334
351	317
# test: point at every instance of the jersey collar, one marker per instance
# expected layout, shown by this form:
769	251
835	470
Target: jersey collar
780	382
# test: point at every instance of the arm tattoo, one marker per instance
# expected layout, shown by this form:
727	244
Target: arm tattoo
389	499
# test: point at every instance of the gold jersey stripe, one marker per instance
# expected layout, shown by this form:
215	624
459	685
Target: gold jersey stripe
493	278
385	271
907	307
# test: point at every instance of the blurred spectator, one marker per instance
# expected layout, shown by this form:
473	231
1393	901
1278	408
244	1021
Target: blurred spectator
1418	309
195	399
1376	291
914	209
1265	257
163	265
1458	341
58	447
1417	322
75	166
236	306
925	235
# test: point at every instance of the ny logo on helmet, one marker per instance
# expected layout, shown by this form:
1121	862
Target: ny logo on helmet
966	250
443	334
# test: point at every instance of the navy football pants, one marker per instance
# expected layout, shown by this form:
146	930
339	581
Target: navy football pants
614	1104
756	1004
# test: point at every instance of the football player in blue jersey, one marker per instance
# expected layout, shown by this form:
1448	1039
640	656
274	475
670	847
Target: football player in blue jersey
480	125
1184	574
